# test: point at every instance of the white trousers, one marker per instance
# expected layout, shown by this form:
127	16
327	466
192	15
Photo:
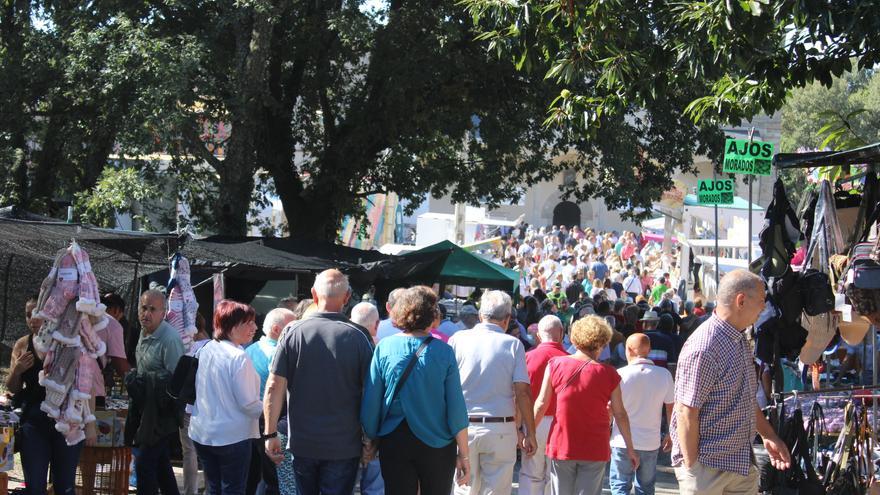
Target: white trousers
534	471
492	456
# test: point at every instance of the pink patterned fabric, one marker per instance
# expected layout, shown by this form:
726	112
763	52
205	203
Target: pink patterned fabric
89	297
69	304
182	305
57	294
91	342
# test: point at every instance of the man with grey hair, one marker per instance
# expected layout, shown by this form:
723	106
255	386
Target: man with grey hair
158	350
367	316
716	415
320	365
534	474
386	326
495	383
468	317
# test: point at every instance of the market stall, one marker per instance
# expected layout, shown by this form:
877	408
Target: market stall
817	264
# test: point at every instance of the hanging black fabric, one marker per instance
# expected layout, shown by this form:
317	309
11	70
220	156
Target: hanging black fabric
780	234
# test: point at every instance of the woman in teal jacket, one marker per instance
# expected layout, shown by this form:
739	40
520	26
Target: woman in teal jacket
423	427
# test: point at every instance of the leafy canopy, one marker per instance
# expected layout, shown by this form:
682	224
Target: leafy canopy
742	57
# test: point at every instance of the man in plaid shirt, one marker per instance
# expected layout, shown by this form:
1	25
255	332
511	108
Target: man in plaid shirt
716	415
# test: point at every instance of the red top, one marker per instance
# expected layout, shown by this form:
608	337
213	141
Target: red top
581	428
536	364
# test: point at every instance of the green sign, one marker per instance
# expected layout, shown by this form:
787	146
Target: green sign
715	192
742	156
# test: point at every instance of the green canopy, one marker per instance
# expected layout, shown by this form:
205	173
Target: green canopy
464	268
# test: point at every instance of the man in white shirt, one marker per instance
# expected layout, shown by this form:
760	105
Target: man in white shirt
646	390
632	285
495	383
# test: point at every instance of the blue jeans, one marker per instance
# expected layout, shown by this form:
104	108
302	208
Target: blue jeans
316	476
371	479
42	446
621	474
153	467
226	467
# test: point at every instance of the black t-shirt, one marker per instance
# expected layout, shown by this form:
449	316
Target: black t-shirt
325	359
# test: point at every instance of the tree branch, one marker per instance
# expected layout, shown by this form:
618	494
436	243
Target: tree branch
197	146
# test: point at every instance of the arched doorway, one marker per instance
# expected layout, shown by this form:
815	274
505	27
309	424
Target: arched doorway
567	213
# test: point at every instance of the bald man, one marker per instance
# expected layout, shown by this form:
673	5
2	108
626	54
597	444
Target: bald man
646	389
534	475
716	415
320	365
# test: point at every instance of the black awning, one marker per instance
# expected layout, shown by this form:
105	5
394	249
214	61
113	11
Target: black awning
857	156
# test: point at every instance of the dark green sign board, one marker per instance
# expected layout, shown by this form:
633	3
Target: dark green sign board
742	156
715	192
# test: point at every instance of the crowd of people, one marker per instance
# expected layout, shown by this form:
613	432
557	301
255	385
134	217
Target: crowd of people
569	379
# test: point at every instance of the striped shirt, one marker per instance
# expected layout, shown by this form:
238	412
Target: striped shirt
715	375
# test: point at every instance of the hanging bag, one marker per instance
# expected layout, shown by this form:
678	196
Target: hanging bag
182	386
816	290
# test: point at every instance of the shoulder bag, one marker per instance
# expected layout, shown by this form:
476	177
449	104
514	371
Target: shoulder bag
406	372
182	387
404	376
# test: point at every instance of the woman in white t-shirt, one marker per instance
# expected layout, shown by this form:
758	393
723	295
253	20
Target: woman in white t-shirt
228	406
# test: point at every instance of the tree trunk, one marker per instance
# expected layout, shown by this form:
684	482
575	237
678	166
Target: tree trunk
15	19
49	162
253	41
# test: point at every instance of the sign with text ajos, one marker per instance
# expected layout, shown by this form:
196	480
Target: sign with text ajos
715	192
742	156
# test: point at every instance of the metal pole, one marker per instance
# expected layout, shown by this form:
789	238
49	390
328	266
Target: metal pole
717	267
751	178
873	333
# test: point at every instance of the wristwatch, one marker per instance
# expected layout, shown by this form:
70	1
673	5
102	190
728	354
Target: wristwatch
269	435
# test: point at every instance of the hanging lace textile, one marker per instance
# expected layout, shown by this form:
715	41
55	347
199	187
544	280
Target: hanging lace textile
182	306
67	341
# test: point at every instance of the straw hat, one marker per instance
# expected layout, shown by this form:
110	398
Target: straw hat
853	332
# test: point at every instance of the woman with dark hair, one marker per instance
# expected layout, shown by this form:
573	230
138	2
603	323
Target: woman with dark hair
43	448
531	313
423	425
227	408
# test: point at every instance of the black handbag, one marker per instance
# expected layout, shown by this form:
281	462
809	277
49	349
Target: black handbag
182	387
784	290
866	274
816	292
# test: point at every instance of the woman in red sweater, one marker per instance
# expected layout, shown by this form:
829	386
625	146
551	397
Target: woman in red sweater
582	387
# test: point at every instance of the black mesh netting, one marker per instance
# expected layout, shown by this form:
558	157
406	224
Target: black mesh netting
28	245
123	261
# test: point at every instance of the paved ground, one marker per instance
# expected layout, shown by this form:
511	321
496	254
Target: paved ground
666	483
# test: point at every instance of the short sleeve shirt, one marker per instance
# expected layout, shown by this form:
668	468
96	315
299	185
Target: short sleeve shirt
160	350
644	388
112	337
581	428
536	363
325	359
489	362
715	375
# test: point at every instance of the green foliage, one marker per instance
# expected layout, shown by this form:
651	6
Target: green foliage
844	115
329	103
117	191
737	58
